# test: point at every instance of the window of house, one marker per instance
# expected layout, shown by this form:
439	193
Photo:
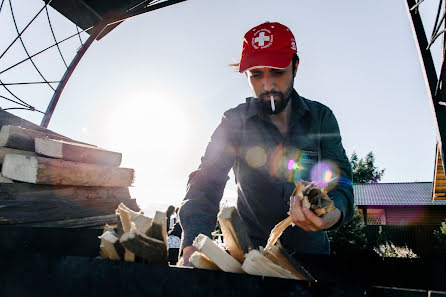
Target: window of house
376	217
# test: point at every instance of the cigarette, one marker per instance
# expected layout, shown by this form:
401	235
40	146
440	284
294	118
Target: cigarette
273	107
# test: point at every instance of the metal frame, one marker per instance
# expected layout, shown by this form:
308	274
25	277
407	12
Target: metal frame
435	86
107	23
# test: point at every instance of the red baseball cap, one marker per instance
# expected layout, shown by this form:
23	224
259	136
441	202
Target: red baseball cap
267	45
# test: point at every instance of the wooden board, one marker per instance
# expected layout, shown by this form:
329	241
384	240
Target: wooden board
18	191
280	257
7	150
235	233
76	152
35	209
5	180
39	170
109	246
223	260
76	223
23	139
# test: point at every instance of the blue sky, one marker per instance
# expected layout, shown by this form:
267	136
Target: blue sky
155	87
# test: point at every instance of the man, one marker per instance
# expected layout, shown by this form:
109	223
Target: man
273	140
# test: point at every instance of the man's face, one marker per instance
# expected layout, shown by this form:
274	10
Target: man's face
266	82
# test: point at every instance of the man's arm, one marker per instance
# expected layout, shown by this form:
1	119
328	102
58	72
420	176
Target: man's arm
342	194
198	212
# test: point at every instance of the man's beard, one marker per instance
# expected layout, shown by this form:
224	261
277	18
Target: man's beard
280	104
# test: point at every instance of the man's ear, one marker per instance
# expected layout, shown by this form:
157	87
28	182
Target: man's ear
295	69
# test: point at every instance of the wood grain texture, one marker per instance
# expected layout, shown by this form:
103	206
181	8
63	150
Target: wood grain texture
60	172
256	263
199	260
23	139
235	233
76	152
223	260
153	251
76	223
7	150
158	228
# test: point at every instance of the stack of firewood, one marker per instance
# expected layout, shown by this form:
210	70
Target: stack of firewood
242	257
50	180
137	238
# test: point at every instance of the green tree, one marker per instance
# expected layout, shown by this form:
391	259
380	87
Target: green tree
351	236
364	170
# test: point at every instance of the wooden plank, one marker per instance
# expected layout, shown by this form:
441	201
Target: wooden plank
18	191
223	260
23	139
234	232
76	152
76	223
35	209
39	170
153	251
7	150
199	260
158	229
142	223
256	263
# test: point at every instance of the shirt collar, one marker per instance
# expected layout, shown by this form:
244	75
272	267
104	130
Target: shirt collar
298	105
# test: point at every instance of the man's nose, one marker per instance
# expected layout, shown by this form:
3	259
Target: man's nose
268	82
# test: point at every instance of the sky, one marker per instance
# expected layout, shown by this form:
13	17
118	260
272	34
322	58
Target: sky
156	87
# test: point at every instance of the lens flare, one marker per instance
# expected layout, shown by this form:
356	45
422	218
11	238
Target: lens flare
325	174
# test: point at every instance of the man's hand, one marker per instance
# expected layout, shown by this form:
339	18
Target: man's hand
187	252
308	220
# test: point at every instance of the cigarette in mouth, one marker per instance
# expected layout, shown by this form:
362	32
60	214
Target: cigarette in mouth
273	107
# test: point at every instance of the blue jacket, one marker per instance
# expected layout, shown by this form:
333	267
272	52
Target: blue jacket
266	164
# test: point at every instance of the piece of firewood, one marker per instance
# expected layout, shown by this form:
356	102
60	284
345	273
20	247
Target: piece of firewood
277	231
76	152
153	251
7	150
39	170
281	258
110	246
142	224
5	180
158	228
222	259
258	264
199	260
23	139
235	233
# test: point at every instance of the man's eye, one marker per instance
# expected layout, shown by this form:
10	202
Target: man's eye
256	75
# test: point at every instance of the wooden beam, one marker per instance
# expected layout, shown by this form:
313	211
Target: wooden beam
151	250
223	260
76	152
234	232
199	260
23	139
20	191
76	223
7	150
39	170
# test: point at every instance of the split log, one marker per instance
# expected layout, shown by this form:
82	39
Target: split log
142	224
5	180
76	152
40	170
110	246
281	258
235	233
256	263
199	260
7	150
158	229
153	251
223	260
23	139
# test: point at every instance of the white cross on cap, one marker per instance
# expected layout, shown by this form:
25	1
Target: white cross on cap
261	39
